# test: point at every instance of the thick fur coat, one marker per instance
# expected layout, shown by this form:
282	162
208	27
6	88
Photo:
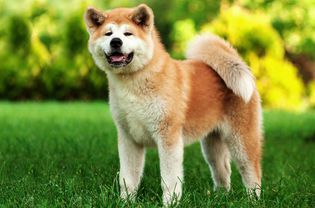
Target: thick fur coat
158	101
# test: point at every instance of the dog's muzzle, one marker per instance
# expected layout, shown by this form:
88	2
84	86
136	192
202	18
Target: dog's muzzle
116	58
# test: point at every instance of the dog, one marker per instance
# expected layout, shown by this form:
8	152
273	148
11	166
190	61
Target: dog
158	101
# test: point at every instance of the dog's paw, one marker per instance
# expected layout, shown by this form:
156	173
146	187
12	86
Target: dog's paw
254	193
125	195
171	199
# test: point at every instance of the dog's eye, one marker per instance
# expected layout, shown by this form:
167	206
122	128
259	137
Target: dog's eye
127	33
108	33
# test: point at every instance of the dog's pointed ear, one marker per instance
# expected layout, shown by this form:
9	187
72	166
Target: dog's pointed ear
93	19
143	16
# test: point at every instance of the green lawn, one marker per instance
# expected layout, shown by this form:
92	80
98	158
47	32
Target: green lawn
65	155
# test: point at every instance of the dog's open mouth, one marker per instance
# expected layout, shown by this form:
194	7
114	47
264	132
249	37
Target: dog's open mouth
118	59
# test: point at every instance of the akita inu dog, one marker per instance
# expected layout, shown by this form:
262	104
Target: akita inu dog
156	100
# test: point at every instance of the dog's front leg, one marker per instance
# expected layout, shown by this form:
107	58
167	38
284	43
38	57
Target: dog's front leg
131	156
171	165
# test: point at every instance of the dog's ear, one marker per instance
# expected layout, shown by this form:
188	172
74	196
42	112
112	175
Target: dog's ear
143	16
93	19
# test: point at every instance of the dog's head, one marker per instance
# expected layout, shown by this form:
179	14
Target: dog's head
121	39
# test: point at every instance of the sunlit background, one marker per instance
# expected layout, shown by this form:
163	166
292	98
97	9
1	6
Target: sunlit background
43	45
64	154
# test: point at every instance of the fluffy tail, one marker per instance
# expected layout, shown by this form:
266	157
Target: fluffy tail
224	59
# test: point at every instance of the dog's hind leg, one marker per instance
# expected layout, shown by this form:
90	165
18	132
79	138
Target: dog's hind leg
217	155
246	151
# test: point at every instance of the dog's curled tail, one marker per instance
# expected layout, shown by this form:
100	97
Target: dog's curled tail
223	59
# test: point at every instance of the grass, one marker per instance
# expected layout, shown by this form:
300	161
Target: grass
65	155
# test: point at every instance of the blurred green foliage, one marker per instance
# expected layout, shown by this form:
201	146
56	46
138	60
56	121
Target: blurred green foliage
43	44
19	40
45	51
311	89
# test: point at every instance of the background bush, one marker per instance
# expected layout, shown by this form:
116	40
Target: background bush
43	45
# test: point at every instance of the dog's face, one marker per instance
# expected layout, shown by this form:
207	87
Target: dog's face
121	39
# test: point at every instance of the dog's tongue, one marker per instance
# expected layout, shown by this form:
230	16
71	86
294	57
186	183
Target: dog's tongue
117	58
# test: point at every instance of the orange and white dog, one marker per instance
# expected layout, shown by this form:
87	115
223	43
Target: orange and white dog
158	101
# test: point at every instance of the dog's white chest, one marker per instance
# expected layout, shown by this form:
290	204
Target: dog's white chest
140	117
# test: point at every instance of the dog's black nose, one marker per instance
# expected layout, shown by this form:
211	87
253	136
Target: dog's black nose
116	43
